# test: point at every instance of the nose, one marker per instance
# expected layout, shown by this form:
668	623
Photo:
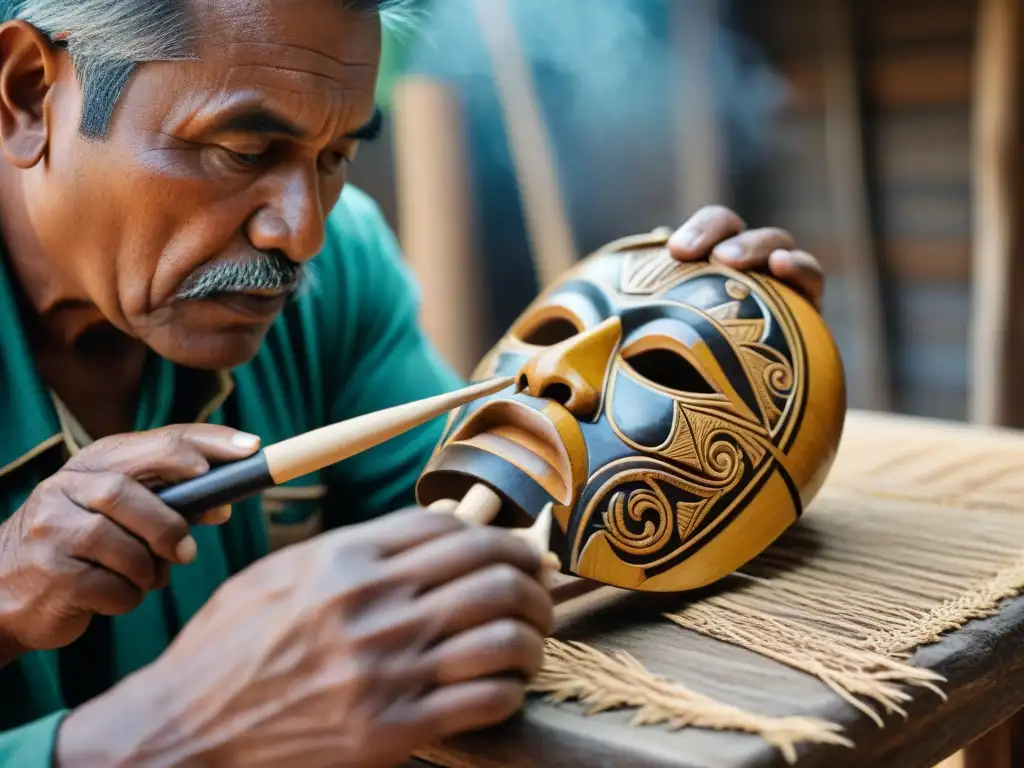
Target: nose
291	219
573	372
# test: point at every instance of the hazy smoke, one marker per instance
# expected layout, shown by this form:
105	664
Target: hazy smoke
605	65
610	80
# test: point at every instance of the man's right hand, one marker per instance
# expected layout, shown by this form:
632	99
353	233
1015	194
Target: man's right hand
353	649
94	539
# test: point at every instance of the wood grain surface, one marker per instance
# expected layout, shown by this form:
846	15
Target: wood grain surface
983	663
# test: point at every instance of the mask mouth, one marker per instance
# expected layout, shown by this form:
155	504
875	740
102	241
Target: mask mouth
505	441
526	438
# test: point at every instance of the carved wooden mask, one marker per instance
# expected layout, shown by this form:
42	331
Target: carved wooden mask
678	417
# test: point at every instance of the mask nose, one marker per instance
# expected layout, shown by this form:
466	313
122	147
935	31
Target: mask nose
573	371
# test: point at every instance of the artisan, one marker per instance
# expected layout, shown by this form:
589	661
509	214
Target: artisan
182	272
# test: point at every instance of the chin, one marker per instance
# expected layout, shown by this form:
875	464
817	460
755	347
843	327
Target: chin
211	335
211	350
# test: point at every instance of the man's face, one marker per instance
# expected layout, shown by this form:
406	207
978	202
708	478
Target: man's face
217	174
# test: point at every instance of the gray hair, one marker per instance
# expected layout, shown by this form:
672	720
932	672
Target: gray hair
107	39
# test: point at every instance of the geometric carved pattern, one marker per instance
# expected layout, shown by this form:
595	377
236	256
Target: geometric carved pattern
744	331
683	447
648	271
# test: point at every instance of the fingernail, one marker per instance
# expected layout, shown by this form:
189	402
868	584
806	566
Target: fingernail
729	251
219	516
186	550
551	561
686	238
246	441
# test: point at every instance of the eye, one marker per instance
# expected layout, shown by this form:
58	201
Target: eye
248	159
670	370
548	331
333	161
245	159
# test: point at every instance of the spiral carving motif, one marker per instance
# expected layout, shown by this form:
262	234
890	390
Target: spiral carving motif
638	506
724	458
778	377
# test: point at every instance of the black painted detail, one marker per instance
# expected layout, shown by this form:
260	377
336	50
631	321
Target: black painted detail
457	468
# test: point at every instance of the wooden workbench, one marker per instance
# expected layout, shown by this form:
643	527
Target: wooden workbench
983	662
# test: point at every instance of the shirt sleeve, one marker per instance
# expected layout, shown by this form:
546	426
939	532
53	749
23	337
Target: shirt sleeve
31	745
384	360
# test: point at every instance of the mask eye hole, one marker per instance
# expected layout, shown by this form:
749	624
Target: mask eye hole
669	370
548	331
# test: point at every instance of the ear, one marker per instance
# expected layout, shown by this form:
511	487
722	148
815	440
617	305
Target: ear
28	69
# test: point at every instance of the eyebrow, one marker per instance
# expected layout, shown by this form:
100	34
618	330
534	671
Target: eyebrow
260	120
369	130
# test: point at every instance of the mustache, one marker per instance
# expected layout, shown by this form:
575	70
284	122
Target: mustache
271	271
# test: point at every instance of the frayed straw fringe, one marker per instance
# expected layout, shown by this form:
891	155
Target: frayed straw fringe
602	682
846	596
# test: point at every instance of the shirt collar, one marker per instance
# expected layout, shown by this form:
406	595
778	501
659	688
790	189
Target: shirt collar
33	420
29	426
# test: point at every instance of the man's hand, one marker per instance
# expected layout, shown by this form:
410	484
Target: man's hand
352	649
94	539
719	234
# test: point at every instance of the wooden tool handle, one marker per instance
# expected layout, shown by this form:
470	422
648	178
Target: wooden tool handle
312	451
480	506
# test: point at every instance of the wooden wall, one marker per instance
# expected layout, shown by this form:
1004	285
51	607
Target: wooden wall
915	60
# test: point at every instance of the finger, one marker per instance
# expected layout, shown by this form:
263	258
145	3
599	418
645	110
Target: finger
218	516
163	575
393	534
456	709
98	590
705	229
462	552
138	511
492	649
750	250
494	593
801	270
98	540
168	455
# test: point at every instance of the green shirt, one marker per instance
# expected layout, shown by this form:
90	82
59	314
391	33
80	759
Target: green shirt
348	346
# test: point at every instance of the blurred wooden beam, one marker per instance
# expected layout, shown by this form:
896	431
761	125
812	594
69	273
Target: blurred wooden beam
547	222
435	217
993	750
844	141
700	172
996	134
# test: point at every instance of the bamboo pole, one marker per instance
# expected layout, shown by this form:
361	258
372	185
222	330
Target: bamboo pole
996	132
551	238
435	219
850	203
700	174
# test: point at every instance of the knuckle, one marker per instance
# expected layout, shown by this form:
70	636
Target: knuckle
512	638
508	583
107	491
172	440
485	539
173	528
775	234
717	211
503	701
93	530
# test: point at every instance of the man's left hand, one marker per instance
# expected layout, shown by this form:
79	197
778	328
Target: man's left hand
719	234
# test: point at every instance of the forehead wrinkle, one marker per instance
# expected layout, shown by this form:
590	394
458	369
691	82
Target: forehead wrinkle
286	58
